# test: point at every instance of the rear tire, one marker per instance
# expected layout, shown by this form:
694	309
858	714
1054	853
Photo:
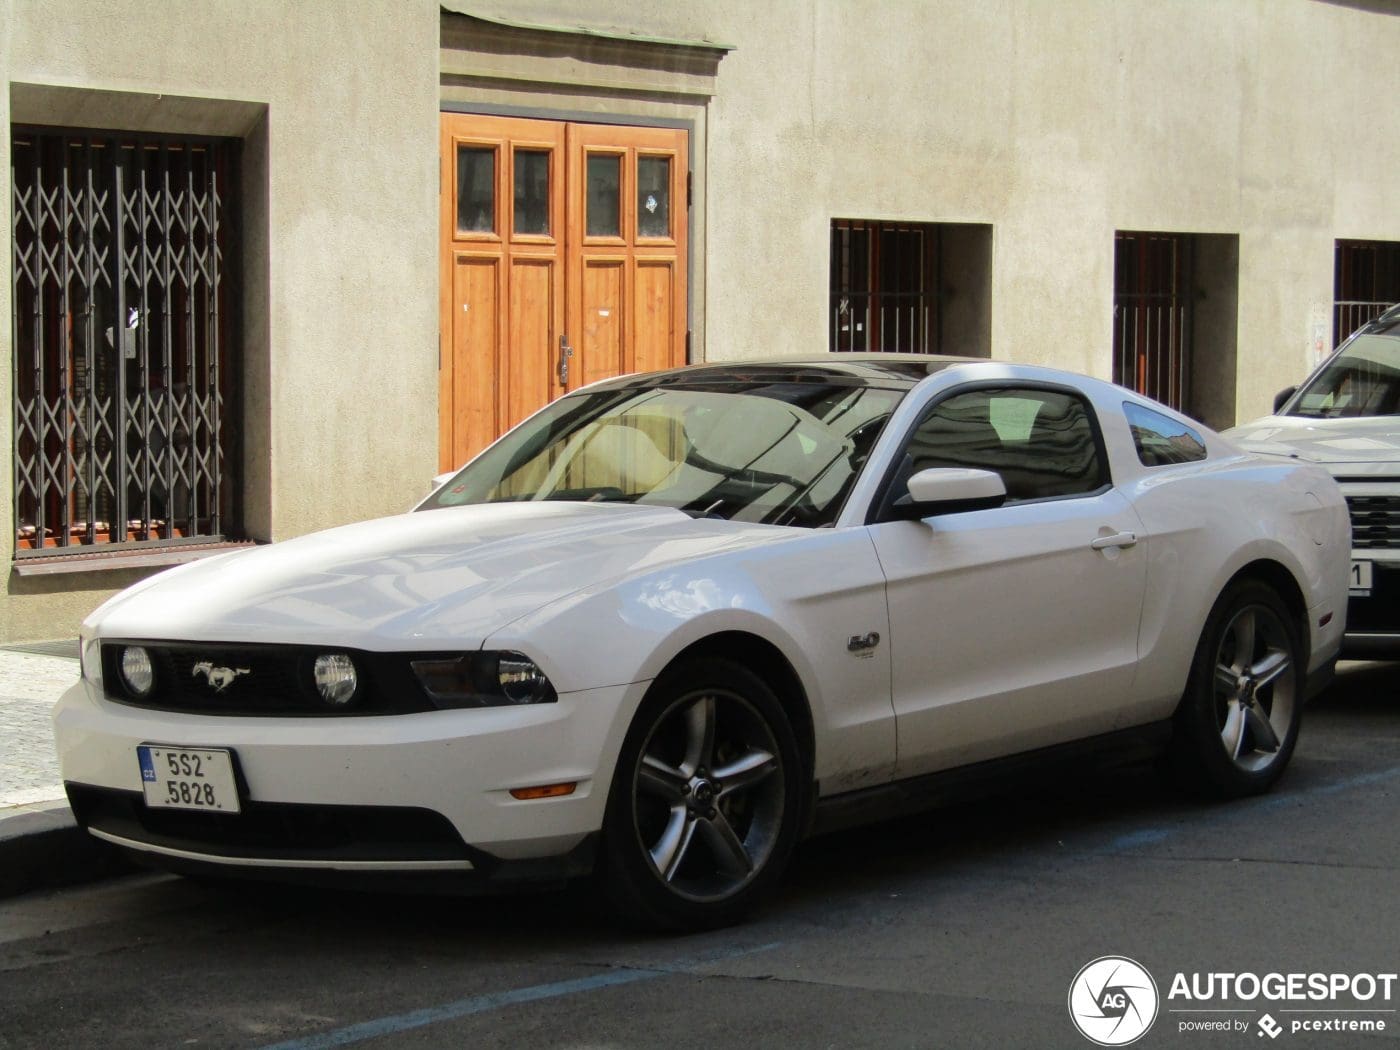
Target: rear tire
1238	722
706	802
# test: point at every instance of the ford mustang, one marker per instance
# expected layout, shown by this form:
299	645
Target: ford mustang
674	622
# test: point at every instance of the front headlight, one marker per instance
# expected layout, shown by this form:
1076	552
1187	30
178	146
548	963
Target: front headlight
486	679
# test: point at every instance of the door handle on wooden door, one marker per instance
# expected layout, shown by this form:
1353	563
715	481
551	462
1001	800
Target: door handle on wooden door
565	352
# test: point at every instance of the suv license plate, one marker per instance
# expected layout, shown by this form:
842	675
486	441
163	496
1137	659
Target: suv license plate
188	778
1360	579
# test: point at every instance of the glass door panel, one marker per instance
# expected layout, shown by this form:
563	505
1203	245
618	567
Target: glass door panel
604	195
653	196
476	189
532	204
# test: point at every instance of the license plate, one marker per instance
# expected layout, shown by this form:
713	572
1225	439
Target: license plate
1360	579
188	778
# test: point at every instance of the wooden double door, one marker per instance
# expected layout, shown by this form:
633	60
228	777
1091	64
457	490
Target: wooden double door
563	262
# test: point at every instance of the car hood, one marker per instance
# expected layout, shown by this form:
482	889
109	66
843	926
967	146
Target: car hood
1355	446
435	579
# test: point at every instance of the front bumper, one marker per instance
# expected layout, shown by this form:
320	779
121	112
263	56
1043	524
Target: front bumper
420	795
376	848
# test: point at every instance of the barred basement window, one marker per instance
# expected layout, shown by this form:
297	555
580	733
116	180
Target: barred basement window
121	334
1366	281
1151	315
910	287
883	287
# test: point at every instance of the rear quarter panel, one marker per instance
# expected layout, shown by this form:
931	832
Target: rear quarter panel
1205	523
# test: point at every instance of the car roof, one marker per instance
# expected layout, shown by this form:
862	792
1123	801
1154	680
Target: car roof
897	371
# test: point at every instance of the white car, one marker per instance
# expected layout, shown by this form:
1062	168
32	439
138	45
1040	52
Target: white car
673	622
1346	416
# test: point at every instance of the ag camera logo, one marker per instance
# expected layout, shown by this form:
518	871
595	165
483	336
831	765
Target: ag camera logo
1113	1001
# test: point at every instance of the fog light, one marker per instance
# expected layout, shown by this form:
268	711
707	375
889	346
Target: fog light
138	675
335	677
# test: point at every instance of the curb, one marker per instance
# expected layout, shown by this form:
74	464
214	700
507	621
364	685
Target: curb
42	847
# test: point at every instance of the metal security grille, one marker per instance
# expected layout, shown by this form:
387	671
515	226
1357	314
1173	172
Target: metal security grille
1151	315
1366	282
121	340
883	282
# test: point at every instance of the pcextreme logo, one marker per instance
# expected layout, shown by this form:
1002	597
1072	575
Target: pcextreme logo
1113	1001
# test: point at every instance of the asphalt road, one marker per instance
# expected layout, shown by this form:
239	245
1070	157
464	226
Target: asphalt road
959	928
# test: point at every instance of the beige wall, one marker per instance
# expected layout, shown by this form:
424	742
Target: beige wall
337	106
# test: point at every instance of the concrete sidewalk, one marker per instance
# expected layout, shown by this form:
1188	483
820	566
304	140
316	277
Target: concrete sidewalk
40	845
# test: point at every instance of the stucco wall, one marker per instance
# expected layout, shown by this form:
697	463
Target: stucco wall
337	104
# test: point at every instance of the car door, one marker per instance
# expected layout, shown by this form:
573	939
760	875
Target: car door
1015	627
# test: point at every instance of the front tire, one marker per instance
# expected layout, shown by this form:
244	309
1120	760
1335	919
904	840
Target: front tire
706	803
1239	720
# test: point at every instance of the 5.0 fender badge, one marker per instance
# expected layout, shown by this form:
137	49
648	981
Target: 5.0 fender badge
219	678
863	644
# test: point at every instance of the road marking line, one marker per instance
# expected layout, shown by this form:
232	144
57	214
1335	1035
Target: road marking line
495	1000
1361	780
1145	837
464	1008
1151	836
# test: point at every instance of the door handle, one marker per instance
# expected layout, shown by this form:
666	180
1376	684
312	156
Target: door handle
1118	539
565	352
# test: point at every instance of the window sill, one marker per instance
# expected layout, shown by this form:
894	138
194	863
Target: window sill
118	561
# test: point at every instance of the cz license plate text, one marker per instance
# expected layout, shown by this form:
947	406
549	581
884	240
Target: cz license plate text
188	778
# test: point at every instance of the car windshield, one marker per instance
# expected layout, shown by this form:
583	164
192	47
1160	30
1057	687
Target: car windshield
783	453
1362	380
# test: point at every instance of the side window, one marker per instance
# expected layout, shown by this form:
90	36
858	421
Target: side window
1161	440
1041	442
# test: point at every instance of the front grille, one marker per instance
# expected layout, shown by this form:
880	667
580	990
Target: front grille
1375	522
260	680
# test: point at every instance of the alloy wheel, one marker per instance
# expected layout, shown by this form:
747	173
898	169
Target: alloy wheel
1255	686
708	795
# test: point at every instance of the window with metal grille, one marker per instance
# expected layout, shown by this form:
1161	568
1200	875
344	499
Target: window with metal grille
883	284
1151	315
1366	281
122	315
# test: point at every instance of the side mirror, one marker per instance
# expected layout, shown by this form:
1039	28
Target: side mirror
950	490
1281	398
437	483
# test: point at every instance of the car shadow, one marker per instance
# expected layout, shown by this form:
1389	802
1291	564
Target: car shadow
1370	687
1030	815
